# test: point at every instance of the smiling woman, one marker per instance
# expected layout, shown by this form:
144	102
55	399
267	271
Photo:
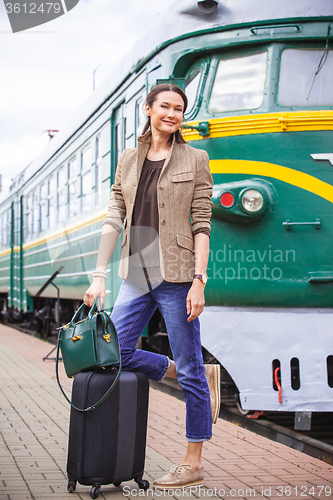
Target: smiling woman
164	186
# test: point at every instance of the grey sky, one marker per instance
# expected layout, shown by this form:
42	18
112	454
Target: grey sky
47	71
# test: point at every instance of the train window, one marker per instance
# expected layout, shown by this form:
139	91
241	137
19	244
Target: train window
86	180
329	362
61	177
43	206
239	83
61	195
72	199
5	223
72	187
119	129
140	116
192	82
295	377
98	169
1	233
35	213
27	219
298	85
50	203
8	227
72	168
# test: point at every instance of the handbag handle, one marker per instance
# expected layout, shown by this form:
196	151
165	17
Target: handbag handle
108	392
96	304
79	312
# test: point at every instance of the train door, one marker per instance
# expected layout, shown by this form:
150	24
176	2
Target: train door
118	140
118	144
15	297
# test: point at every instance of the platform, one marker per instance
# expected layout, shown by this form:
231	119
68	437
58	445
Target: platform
34	420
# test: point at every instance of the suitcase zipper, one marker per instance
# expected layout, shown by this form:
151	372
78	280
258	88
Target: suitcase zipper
84	392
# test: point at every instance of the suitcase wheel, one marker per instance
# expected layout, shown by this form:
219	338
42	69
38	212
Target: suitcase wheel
94	492
143	484
71	486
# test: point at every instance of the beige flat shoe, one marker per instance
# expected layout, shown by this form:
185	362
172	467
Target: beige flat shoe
180	476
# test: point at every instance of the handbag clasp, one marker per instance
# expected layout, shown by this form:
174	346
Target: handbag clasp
107	337
78	337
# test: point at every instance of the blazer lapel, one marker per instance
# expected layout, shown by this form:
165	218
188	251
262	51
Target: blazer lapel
143	148
168	157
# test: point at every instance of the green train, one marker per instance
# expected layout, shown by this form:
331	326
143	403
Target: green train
259	78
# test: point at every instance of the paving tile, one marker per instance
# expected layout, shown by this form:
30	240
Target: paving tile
34	421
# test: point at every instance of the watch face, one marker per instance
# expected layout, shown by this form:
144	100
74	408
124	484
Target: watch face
204	279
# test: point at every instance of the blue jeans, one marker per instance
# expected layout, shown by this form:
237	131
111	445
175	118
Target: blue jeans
132	311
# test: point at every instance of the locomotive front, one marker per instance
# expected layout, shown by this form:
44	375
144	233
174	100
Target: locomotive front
264	113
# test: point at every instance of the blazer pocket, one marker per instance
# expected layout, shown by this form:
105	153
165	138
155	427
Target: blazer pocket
182	177
185	242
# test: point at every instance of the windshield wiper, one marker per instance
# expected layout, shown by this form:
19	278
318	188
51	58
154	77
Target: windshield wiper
322	60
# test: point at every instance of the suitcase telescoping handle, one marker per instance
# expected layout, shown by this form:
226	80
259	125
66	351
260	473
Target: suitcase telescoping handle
108	392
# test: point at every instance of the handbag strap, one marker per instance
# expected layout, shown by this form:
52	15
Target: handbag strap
111	388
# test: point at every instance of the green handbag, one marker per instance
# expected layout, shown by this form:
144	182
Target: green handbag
88	343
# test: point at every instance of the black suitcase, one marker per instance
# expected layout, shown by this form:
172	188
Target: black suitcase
108	445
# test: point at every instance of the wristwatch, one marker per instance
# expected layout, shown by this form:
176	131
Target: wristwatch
201	277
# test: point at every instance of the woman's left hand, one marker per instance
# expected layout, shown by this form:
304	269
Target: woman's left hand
195	300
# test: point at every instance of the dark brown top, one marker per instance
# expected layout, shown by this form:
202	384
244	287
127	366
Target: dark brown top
145	214
145	210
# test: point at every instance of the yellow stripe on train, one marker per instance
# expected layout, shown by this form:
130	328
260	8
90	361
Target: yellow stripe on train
284	174
263	123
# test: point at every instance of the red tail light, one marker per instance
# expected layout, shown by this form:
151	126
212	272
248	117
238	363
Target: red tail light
227	200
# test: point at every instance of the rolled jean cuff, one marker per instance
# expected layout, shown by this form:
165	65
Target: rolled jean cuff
197	440
167	365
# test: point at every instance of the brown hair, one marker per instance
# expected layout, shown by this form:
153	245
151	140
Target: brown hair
151	97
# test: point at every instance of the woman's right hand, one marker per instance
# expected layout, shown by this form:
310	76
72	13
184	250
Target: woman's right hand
96	289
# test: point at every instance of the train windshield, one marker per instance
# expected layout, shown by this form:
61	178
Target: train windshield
239	83
301	84
191	86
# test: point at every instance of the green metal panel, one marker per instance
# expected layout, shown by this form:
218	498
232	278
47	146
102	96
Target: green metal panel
260	262
76	253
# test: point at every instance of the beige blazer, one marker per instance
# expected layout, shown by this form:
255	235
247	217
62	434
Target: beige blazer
184	203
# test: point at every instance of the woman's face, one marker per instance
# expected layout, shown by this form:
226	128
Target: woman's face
166	113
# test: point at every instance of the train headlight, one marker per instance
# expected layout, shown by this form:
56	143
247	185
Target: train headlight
243	201
252	200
